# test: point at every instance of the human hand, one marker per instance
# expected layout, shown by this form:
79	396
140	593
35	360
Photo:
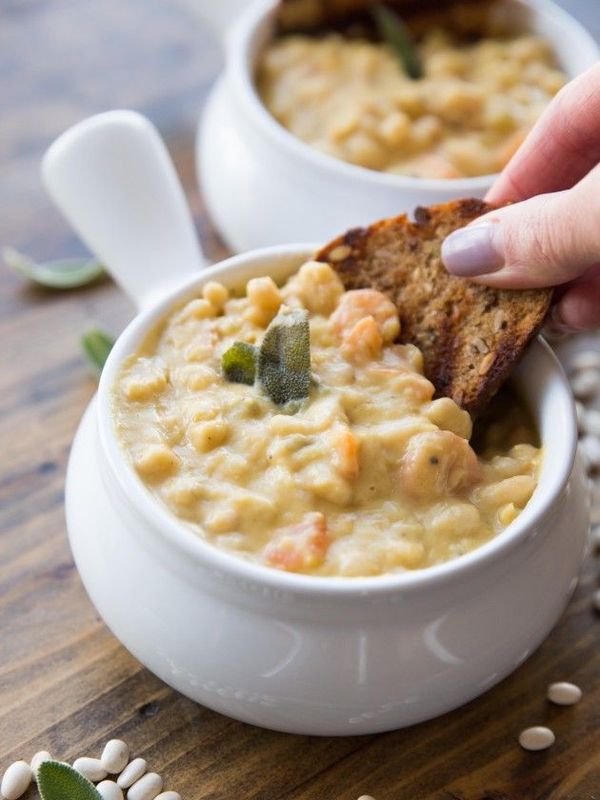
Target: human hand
551	235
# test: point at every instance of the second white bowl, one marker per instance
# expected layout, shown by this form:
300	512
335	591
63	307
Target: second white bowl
263	186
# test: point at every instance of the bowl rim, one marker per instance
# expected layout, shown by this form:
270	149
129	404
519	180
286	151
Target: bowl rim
183	539
239	47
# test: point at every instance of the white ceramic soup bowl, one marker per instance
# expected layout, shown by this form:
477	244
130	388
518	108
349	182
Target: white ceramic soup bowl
291	652
264	186
321	655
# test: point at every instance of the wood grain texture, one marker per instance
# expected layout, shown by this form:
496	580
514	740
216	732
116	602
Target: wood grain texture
65	683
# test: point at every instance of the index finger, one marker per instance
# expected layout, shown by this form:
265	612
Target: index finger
561	148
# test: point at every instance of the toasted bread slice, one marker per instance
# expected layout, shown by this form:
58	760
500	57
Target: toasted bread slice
471	336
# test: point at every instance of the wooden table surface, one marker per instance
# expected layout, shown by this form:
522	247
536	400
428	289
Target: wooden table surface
66	684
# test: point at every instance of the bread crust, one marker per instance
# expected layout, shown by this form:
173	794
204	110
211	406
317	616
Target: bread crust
471	336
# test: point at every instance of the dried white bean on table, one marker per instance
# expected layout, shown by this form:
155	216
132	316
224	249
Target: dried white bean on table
39	758
90	768
585	384
16	780
169	796
115	756
110	791
564	694
590	421
147	788
132	772
584	359
597	599
536	738
590	446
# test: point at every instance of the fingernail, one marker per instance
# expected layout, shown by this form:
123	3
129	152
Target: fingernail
472	251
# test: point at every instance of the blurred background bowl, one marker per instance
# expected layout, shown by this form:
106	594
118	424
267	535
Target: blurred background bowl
264	186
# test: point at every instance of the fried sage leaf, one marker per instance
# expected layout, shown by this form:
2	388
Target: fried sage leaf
64	273
58	781
239	363
284	357
396	35
96	345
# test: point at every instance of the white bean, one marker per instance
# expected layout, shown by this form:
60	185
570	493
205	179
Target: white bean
109	790
585	359
147	788
585	384
596	599
366	797
115	756
564	694
536	738
169	796
590	447
90	768
585	462
590	421
132	772
16	780
39	758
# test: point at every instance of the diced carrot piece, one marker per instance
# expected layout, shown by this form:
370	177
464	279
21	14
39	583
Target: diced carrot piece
299	547
345	456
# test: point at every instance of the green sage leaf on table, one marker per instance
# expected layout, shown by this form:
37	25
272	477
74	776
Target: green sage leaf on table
58	781
396	35
96	345
64	273
239	363
284	357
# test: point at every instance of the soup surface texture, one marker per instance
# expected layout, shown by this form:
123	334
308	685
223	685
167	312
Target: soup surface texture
465	116
369	475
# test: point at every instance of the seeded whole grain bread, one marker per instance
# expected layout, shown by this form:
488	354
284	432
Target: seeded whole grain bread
471	336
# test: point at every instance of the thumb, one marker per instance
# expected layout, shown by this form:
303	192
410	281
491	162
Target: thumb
544	241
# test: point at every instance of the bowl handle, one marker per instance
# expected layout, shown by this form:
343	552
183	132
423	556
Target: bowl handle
112	178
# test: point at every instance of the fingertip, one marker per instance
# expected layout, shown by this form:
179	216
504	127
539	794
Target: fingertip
555	328
498	194
578	309
506	188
